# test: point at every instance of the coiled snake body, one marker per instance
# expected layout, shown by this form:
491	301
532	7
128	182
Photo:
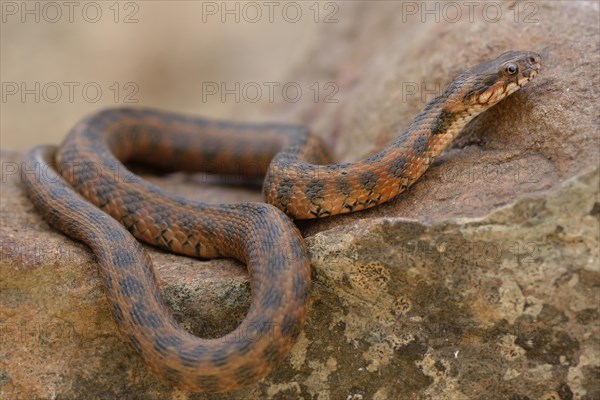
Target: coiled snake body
299	182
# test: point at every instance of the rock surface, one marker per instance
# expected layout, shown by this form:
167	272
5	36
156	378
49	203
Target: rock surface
482	281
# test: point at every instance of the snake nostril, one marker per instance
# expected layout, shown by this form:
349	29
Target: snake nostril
534	59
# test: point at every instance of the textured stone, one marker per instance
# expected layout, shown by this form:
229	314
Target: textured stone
481	281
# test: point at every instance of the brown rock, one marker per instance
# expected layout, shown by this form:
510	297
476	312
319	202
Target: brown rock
481	281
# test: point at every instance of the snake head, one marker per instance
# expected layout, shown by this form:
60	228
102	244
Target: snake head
489	82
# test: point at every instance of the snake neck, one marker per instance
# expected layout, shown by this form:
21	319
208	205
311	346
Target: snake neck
428	135
304	190
440	122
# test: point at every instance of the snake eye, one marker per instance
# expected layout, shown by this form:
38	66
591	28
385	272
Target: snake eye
511	69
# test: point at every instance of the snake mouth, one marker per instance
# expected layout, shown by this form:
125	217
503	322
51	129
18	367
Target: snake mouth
529	76
526	78
493	96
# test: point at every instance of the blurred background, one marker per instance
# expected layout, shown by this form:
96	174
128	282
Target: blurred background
61	61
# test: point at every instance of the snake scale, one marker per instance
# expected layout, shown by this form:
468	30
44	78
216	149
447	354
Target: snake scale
77	186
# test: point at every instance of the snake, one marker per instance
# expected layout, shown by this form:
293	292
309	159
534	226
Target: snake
83	189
